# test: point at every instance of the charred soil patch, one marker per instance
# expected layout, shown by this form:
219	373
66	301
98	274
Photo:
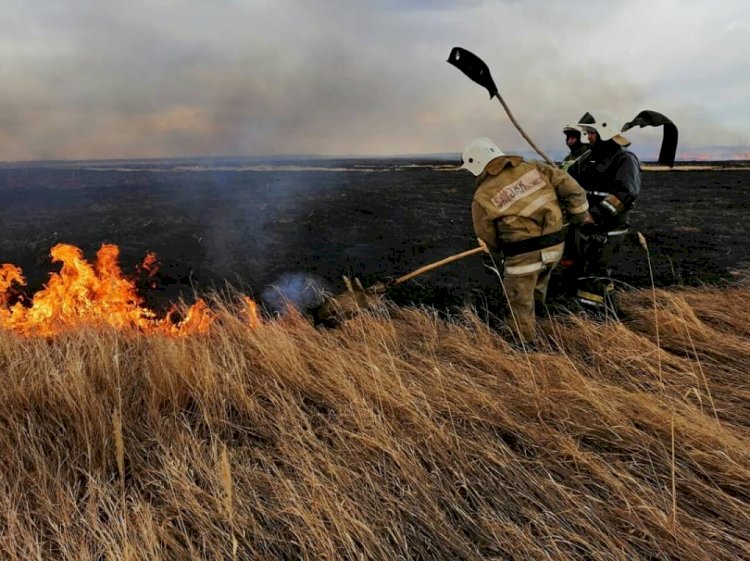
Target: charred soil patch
249	224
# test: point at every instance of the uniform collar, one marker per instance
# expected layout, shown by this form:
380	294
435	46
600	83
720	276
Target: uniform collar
606	148
579	149
496	165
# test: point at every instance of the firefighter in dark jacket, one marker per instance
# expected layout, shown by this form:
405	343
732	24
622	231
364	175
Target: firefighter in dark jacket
576	142
611	176
519	210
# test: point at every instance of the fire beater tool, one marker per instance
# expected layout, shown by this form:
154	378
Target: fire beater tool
475	68
357	298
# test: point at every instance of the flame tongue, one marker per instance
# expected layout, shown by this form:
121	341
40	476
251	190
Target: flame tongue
82	294
9	274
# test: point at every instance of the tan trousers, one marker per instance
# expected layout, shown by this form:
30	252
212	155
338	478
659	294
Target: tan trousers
526	279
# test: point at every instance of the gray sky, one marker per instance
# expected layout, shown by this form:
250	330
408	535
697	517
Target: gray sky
88	79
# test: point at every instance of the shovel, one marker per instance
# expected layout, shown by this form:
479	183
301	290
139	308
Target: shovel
475	68
357	298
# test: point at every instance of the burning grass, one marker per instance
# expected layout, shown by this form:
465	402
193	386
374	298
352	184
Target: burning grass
399	435
95	294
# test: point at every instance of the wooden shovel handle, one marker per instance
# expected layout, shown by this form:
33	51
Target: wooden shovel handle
437	264
523	132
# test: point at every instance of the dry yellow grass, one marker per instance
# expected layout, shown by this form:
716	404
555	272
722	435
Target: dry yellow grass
398	436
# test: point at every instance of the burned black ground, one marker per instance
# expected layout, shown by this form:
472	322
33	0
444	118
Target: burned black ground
226	222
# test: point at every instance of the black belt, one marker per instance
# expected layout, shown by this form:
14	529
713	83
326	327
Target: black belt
510	249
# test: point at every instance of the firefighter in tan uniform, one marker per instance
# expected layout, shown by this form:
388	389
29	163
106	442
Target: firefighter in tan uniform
519	209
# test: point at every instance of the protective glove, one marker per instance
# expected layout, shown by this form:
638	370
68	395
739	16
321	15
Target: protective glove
593	233
588	228
599	214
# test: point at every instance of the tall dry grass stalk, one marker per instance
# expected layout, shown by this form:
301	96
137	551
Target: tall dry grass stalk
400	435
644	245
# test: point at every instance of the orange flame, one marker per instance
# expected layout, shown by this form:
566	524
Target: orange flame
251	310
9	274
150	266
94	295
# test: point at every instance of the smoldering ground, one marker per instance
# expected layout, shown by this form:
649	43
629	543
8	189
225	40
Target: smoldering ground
263	227
300	291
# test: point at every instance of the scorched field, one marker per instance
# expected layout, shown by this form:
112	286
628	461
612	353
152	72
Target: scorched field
222	427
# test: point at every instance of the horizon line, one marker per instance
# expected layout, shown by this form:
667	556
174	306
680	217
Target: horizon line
688	156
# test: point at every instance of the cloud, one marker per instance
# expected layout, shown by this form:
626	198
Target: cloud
151	78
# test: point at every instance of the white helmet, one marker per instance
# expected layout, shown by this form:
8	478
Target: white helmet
584	139
606	124
478	153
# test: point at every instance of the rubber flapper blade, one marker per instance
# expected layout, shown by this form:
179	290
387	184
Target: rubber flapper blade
474	67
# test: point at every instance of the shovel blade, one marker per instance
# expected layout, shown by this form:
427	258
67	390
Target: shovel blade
649	118
474	67
349	303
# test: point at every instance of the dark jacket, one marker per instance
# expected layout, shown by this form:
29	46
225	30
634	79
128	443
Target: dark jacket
611	177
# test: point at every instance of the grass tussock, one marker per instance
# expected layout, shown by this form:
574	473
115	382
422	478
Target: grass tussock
398	436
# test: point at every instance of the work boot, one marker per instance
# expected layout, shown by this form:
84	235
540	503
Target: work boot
598	305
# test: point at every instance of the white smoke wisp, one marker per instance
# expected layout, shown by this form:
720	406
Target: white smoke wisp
303	291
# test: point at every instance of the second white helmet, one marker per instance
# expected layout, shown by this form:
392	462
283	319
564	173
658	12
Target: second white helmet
606	124
583	137
478	153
